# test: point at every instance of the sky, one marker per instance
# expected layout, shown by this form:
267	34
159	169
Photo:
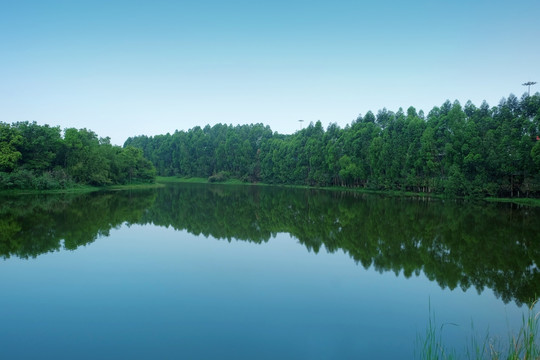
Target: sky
127	68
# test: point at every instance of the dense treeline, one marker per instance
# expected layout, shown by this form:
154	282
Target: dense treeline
38	157
455	150
203	152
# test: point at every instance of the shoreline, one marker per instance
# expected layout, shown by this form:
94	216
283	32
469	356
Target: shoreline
81	189
162	180
395	193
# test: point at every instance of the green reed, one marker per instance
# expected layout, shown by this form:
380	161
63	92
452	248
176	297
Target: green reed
523	345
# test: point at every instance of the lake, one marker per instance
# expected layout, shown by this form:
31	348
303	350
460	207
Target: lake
195	271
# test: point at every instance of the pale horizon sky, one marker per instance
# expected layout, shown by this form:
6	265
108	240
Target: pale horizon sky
128	68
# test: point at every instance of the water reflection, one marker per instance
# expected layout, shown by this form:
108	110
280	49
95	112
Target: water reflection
486	246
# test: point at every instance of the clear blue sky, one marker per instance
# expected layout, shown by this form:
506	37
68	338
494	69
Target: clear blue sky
125	68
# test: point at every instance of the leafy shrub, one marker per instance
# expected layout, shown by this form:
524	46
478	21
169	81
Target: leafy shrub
219	177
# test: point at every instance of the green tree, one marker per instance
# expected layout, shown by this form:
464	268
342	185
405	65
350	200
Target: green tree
40	146
10	140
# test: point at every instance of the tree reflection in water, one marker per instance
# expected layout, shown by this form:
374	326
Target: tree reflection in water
495	246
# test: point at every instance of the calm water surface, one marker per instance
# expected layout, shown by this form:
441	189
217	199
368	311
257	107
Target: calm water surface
201	272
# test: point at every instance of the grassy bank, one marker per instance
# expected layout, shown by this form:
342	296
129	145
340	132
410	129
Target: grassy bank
525	344
198	180
71	190
175	179
81	189
132	186
519	201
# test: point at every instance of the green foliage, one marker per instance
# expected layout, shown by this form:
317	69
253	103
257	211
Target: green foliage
10	140
37	157
455	150
40	146
219	177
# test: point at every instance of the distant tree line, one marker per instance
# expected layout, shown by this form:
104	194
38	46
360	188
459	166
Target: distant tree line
455	150
41	157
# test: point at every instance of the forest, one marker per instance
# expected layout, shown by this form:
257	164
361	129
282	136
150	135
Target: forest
454	150
41	157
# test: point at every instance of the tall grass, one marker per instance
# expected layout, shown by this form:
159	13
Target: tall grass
431	344
525	345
